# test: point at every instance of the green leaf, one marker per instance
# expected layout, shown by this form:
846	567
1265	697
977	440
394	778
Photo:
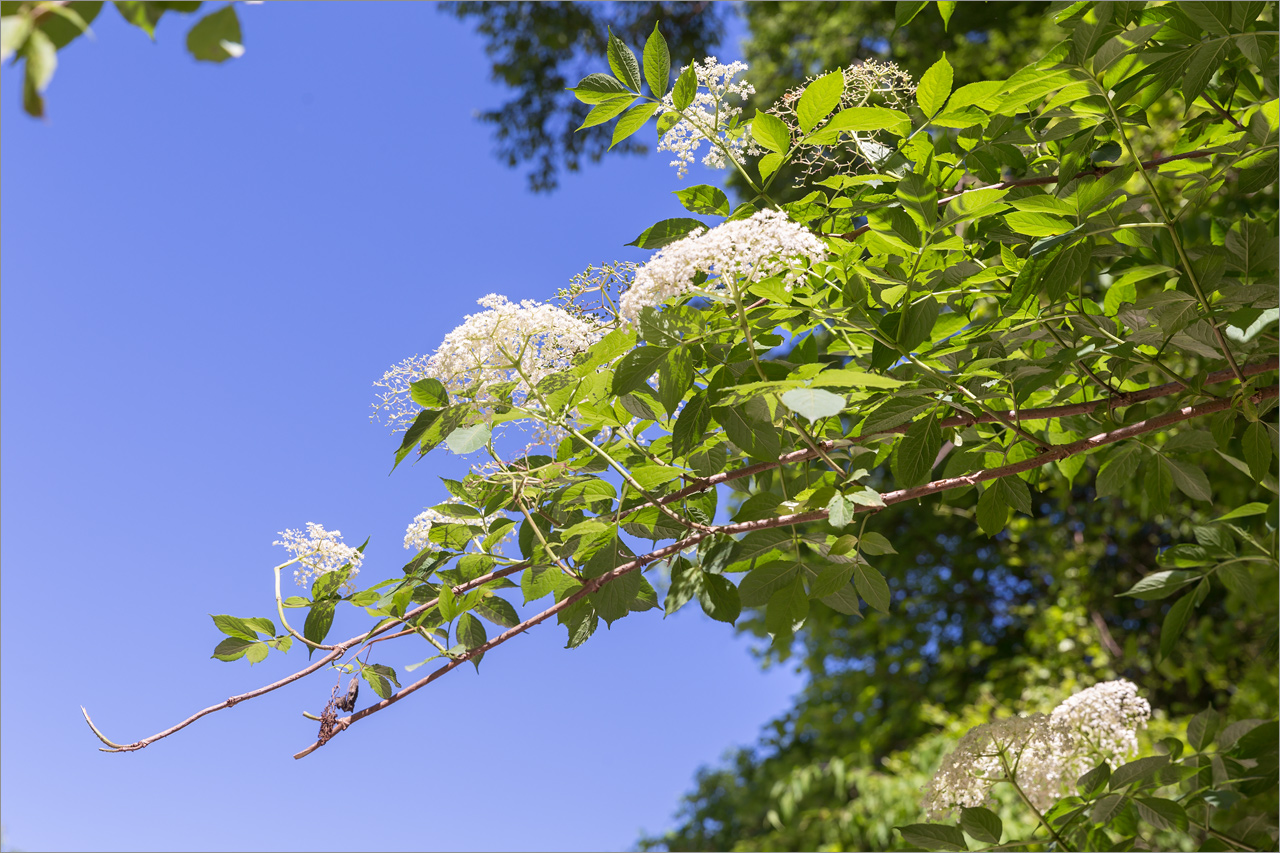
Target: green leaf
831	579
14	30
1107	807
429	393
1190	479
1202	729
469	439
1136	771
1161	813
875	544
933	836
142	15
42	59
787	609
605	110
704	198
498	611
633	121
1257	450
761	583
667	231
597	88
917	323
1095	781
982	824
471	635
1117	473
748	427
262	625
235	627
818	100
686	87
691	425
719	598
657	63
839	512
914	456
905	12
919	197
1160	585
623	63
993	510
1175	621
635	368
216	37
1158	484
866	118
768	164
872	586
319	620
1249	509
771	132
813	403
613	600
934	87
1204	63
946	8
233	648
1065	270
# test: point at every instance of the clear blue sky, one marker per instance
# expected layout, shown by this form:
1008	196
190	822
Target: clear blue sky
204	270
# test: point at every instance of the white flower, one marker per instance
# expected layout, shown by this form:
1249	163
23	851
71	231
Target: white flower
319	551
1105	720
1047	755
417	534
1029	750
709	117
765	244
509	342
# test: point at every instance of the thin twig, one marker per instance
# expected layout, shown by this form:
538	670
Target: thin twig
1047	179
1228	116
337	653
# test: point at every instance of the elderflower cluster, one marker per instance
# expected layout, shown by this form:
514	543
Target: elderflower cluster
319	552
1030	751
710	117
417	534
1105	720
867	83
1043	755
520	343
765	244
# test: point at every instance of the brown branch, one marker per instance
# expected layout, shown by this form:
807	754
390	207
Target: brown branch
1048	179
1057	452
1126	398
1228	116
337	653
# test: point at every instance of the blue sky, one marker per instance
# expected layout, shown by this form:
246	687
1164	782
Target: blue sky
205	268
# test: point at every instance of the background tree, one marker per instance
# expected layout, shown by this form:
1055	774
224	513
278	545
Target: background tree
33	31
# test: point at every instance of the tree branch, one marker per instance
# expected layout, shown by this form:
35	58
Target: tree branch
1048	179
1126	398
1057	452
338	651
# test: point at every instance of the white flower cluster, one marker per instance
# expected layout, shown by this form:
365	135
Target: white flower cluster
709	117
319	551
508	342
1105	720
1044	755
765	244
1028	750
417	534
